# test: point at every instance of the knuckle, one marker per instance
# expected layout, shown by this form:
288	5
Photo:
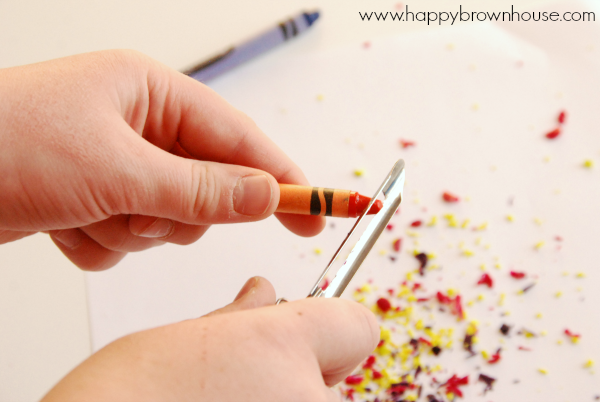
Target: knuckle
205	191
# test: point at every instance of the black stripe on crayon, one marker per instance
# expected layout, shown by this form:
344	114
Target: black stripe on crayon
294	28
315	203
283	30
208	63
328	194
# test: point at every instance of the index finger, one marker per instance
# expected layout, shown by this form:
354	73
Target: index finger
184	111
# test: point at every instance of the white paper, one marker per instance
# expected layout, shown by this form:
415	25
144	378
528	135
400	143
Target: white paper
477	99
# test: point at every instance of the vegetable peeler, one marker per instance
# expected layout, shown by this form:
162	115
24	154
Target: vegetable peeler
392	189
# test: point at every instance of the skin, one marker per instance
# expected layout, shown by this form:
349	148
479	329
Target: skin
112	152
96	147
249	351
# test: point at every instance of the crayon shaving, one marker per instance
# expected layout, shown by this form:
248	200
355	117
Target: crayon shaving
553	134
486	280
574	337
449	197
404	365
407	144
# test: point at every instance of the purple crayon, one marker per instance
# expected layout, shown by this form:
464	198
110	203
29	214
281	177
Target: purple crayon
245	51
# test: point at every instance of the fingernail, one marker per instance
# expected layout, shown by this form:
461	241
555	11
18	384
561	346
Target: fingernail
70	238
252	195
248	286
161	227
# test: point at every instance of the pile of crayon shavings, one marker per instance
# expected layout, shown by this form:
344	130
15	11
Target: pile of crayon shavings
405	365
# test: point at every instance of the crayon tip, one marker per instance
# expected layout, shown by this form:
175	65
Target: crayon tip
363	202
311	17
376	207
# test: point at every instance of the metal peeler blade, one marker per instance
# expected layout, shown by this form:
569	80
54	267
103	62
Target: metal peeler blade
392	189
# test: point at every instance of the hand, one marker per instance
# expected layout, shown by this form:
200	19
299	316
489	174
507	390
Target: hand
249	351
112	152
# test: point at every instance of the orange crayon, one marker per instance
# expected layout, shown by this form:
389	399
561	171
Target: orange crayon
306	200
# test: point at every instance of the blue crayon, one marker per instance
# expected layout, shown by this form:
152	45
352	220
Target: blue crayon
253	47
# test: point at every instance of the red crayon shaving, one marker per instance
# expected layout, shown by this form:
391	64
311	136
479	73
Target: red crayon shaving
453	384
354	379
517	275
571	334
369	362
553	134
406	143
455	304
561	117
495	357
448	197
384	304
486	280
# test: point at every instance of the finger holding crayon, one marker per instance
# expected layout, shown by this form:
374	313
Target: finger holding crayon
306	200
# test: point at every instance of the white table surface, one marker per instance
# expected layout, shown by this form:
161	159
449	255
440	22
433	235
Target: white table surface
44	330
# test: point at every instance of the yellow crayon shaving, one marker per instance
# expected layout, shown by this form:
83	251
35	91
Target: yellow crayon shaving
589	364
359	172
510	218
588	163
580	275
433	221
451	219
543	371
539	245
318	251
320	97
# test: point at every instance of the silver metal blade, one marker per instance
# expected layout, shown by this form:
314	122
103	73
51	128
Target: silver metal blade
392	189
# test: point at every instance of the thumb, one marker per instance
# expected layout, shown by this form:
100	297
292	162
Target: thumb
257	292
200	192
